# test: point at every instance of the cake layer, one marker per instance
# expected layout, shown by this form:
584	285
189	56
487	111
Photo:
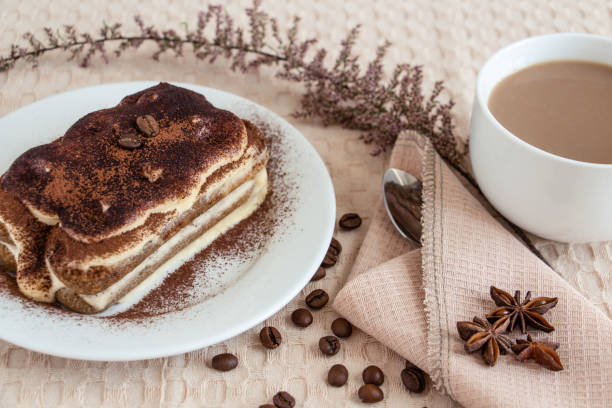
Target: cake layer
95	189
23	240
201	232
91	268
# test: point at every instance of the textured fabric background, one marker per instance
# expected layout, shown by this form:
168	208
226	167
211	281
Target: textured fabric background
450	38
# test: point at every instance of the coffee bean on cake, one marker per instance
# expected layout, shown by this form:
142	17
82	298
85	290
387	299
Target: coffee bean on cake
147	125
129	142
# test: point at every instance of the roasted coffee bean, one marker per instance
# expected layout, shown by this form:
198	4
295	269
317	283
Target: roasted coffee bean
129	142
270	337
335	246
301	317
373	375
317	299
370	393
283	400
329	260
337	375
329	345
224	362
350	221
414	379
342	327
147	125
319	274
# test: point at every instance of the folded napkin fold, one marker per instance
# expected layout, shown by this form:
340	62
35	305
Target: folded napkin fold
416	296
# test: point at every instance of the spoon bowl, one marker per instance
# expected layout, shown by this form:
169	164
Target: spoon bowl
402	195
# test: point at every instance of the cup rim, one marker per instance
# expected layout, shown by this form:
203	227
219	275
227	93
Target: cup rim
509	134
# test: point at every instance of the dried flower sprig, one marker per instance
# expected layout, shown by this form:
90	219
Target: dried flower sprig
343	93
340	94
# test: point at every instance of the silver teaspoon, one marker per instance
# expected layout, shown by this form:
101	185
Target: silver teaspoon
402	195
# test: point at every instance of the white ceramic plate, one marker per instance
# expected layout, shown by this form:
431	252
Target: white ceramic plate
250	296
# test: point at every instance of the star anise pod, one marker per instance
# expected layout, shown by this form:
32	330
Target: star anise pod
480	334
542	351
529	311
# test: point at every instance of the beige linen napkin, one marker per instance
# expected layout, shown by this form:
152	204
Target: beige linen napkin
410	299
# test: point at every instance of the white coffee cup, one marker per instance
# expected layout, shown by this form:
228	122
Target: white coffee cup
551	196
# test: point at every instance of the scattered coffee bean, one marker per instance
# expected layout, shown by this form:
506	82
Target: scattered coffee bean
301	317
319	274
224	362
337	375
350	221
342	327
414	378
270	337
147	125
373	375
329	260
283	400
370	393
129	142
329	345
317	299
335	246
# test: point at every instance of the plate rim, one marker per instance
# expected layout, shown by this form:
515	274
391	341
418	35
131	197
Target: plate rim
169	350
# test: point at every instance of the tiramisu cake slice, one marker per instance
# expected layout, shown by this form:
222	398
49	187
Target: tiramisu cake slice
86	218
